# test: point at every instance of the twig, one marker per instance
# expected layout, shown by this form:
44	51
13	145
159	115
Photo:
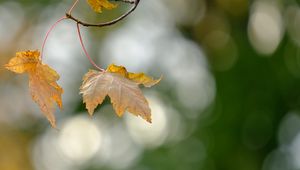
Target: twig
109	23
73	6
125	1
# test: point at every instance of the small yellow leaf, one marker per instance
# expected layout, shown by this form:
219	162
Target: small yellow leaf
42	81
97	5
121	86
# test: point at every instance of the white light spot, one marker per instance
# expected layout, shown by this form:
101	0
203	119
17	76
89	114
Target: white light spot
79	139
279	159
265	27
118	150
146	134
289	128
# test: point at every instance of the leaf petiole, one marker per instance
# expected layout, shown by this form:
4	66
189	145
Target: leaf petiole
48	32
85	51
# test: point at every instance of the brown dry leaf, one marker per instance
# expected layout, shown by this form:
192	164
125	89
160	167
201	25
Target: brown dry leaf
121	86
97	5
42	81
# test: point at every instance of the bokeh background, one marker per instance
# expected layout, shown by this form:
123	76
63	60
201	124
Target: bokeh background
229	99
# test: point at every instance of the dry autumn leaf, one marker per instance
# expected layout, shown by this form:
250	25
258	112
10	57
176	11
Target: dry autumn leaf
97	5
42	81
121	86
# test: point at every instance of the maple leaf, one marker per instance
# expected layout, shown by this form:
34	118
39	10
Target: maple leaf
42	81
121	86
97	5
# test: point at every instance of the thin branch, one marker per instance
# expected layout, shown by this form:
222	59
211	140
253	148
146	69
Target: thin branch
85	51
73	6
48	32
125	1
109	23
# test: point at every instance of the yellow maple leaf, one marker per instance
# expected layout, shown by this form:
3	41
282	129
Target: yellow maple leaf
139	78
121	86
42	81
97	5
